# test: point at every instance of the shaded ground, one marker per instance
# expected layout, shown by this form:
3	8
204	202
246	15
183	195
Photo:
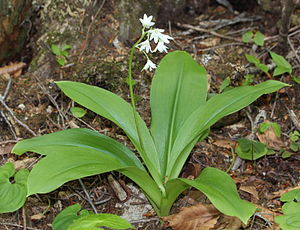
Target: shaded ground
37	102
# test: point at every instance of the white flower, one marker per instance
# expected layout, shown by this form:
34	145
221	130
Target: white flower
145	45
146	21
161	47
157	35
149	65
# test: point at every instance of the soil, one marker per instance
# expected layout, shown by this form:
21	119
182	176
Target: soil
36	101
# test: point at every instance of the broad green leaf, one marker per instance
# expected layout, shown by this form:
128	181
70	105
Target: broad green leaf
120	112
262	67
175	93
77	153
67	216
12	195
94	221
250	150
55	49
291	196
215	108
224	84
296	79
252	59
78	112
283	66
65	53
259	38
221	191
247	37
291	218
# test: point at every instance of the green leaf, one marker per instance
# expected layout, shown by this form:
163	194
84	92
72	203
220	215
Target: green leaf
175	93
296	79
66	47
277	129
65	53
295	146
259	38
283	66
291	218
247	37
263	127
214	109
12	195
67	216
262	67
77	153
294	136
55	49
250	150
93	221
221	191
224	84
286	154
291	196
248	79
252	59
117	110
78	112
61	61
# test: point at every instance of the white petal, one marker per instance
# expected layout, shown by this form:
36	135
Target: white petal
149	65
147	21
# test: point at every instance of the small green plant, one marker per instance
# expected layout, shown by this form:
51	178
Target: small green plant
291	210
296	79
75	218
248	79
225	85
257	37
61	53
13	188
250	149
282	65
263	127
254	60
295	141
77	111
181	116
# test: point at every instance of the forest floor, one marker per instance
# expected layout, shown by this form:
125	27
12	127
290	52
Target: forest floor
35	106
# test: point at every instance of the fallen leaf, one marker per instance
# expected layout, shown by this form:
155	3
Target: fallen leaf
270	139
279	193
192	171
251	190
229	222
6	149
198	217
24	163
37	216
227	144
210	42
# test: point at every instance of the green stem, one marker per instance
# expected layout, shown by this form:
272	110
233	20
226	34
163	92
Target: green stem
131	92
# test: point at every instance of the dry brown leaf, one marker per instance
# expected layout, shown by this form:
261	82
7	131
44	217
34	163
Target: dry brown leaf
6	149
198	217
270	139
227	144
24	163
251	190
210	42
266	213
12	68
229	222
192	171
279	193
37	216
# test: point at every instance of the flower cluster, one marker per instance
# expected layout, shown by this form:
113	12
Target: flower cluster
152	34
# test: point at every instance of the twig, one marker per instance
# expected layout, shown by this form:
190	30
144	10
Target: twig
208	31
45	91
88	196
89	30
6	89
294	118
144	220
223	45
9	141
17	120
293	49
24	218
18	226
9	125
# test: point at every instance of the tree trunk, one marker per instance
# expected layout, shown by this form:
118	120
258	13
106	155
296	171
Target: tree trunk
12	34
